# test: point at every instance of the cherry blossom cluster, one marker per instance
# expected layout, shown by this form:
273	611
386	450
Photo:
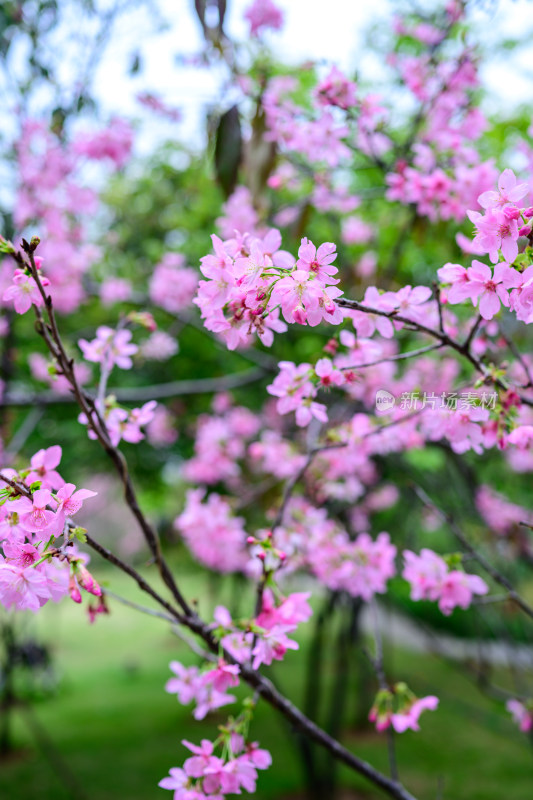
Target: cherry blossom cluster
114	348
361	566
123	424
53	191
502	516
205	774
263	15
259	640
501	233
265	638
206	689
400	709
446	173
522	714
251	287
220	444
250	280
40	560
110	348
215	537
441	173
172	284
431	578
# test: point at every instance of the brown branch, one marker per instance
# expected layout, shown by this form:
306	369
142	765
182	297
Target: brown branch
460	347
494	573
50	332
397	357
189	619
159	391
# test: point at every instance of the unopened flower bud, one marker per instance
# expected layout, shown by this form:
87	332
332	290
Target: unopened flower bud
299	315
73	590
511	212
329	305
87	581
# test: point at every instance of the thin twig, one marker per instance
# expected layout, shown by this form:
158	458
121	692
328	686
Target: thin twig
264	687
397	357
494	573
462	348
161	391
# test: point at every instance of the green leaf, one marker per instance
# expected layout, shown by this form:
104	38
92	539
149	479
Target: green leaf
228	150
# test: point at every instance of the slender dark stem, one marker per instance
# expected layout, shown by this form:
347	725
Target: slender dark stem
397	357
494	573
142	394
446	340
51	335
380	670
436	292
264	688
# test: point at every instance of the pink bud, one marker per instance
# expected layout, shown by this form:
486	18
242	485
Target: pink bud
282	555
329	305
525	231
299	315
274	182
250	540
511	212
73	590
528	212
87	581
261	555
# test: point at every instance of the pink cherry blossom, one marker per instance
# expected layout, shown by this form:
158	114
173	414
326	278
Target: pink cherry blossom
489	289
522	716
110	348
431	579
24	291
176	781
173	285
263	14
508	191
408	719
43	468
458	277
223	676
496	231
23	588
34	516
318	262
329	376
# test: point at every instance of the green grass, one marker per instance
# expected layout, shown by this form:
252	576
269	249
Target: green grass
118	731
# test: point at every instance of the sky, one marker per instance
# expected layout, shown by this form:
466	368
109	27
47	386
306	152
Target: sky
335	31
309	32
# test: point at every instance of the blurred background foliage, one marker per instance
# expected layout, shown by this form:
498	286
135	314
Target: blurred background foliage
98	723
